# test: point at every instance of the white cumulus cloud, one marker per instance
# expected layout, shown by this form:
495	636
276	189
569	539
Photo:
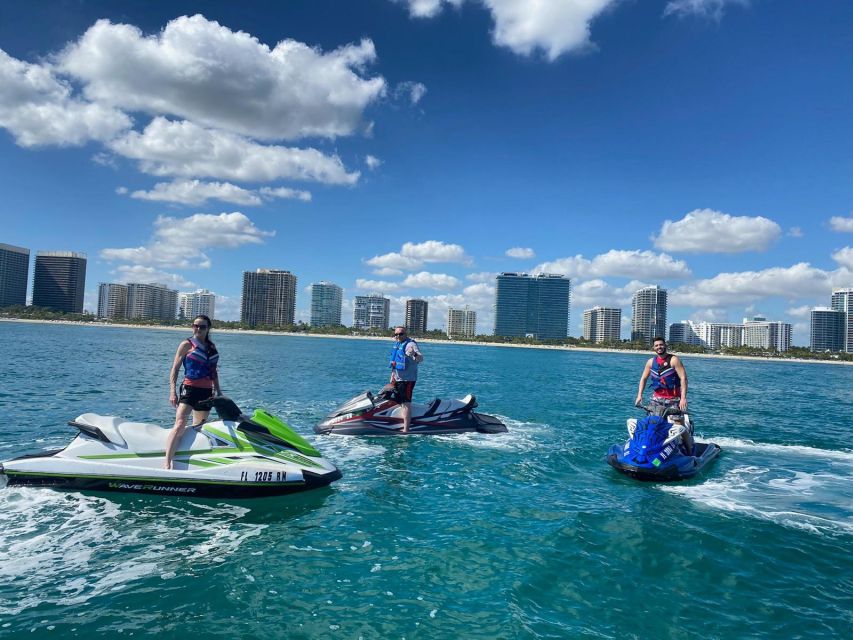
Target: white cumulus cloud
199	70
839	223
553	27
138	273
708	231
426	280
520	252
38	108
844	257
184	149
372	162
482	276
196	192
376	285
726	289
413	255
646	265
182	242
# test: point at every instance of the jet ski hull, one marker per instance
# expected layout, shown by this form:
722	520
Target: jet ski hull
237	456
679	467
153	485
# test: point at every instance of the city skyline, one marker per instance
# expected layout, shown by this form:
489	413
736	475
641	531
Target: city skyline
619	144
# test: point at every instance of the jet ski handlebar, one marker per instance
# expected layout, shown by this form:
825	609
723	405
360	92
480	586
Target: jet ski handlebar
668	411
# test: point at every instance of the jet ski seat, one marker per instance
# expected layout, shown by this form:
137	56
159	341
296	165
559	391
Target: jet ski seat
107	425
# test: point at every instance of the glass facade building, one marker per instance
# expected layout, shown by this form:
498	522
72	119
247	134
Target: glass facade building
14	271
827	330
536	306
326	303
842	300
59	280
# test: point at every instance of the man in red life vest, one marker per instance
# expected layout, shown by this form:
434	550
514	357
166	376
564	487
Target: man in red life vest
669	381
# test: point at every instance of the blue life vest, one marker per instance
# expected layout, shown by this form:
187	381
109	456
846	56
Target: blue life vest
199	364
398	354
665	380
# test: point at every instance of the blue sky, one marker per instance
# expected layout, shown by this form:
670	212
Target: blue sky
417	148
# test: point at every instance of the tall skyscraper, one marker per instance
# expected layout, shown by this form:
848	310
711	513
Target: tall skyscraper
602	324
537	305
269	297
371	312
461	323
199	302
827	330
416	316
151	301
649	315
842	300
14	269
326	302
112	300
59	280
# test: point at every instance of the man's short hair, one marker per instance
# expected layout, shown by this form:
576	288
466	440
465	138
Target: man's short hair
656	338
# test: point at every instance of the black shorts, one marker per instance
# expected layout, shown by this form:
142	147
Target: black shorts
403	390
193	395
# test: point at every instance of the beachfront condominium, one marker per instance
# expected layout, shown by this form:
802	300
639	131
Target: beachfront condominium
602	324
112	300
416	316
371	312
827	330
14	270
536	306
151	301
760	333
200	302
684	332
59	279
269	297
842	300
327	299
648	319
461	323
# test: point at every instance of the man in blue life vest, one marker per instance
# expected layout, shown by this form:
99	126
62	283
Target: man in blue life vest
405	357
669	381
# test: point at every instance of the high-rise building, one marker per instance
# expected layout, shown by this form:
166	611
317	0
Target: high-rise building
59	280
112	300
536	306
842	300
461	323
269	297
649	315
827	329
200	302
14	269
151	301
602	324
371	312
684	332
326	302
771	336
416	316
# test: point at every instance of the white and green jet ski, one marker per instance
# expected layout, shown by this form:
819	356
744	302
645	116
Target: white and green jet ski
234	457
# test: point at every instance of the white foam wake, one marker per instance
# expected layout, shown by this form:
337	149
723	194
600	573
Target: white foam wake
843	455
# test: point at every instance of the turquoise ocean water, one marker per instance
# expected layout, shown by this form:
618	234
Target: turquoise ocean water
527	534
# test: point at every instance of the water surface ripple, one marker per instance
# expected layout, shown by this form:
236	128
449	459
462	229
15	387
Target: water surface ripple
527	534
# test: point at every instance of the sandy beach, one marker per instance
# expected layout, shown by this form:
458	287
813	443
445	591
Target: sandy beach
428	340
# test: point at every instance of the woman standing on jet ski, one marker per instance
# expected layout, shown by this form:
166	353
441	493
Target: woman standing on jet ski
201	381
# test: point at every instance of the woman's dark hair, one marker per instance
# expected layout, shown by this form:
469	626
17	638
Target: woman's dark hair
209	327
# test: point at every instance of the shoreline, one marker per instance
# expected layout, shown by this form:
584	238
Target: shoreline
431	341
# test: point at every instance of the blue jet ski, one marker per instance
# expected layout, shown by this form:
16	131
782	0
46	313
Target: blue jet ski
655	451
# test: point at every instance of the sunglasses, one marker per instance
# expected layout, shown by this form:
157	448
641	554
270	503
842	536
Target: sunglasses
199	326
397	335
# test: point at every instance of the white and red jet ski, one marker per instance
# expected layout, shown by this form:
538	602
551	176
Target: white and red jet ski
369	415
